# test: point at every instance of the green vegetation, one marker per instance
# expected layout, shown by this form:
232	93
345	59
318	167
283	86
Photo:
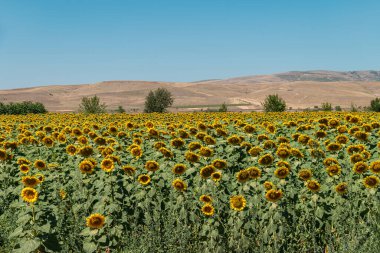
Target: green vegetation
375	105
274	103
91	105
326	107
22	108
158	100
223	108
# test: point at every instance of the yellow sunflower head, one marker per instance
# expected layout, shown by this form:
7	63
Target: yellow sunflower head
107	165
208	210
29	194
179	184
95	220
273	195
238	203
144	179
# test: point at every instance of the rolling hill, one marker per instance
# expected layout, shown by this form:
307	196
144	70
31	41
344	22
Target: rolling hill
300	89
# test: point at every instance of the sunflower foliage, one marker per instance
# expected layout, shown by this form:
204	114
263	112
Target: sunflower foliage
190	182
274	103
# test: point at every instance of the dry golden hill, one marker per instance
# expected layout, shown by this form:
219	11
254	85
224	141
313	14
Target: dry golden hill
299	89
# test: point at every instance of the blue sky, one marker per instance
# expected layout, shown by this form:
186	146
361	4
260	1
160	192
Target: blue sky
45	42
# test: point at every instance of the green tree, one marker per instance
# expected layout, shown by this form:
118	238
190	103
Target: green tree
338	108
120	109
274	103
158	100
375	105
326	106
92	105
223	108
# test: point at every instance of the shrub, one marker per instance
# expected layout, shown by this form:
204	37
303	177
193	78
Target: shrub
92	105
326	106
22	108
274	103
158	100
120	109
375	105
223	108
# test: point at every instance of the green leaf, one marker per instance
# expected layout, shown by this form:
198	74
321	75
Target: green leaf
16	233
28	245
89	247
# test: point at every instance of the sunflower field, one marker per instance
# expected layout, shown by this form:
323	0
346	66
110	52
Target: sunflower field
190	182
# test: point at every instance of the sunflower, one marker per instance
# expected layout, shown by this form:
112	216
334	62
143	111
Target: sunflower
243	176
360	167
262	137
107	165
158	145
305	174
71	149
194	146
22	161
281	172
255	151
313	185
152	166
371	181
268	185
219	164
330	161
283	153
366	155
375	167
254	172
269	144
356	158
342	139
40	177
177	142
341	188
86	167
95	220
206	171
62	194
205	198
129	170
216	176
101	141
273	195
86	151
3	155
360	135
296	152
206	151
144	179
29	194
234	140
208	210
191	157
283	164
266	159
321	134
166	152
249	129
24	168
334	147
179	184
238	203
30	181
137	152
333	170
39	164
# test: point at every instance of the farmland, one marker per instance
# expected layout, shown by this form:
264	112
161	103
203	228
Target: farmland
190	182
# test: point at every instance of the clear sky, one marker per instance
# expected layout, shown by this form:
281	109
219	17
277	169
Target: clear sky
46	42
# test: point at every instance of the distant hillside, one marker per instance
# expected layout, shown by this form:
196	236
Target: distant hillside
300	89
